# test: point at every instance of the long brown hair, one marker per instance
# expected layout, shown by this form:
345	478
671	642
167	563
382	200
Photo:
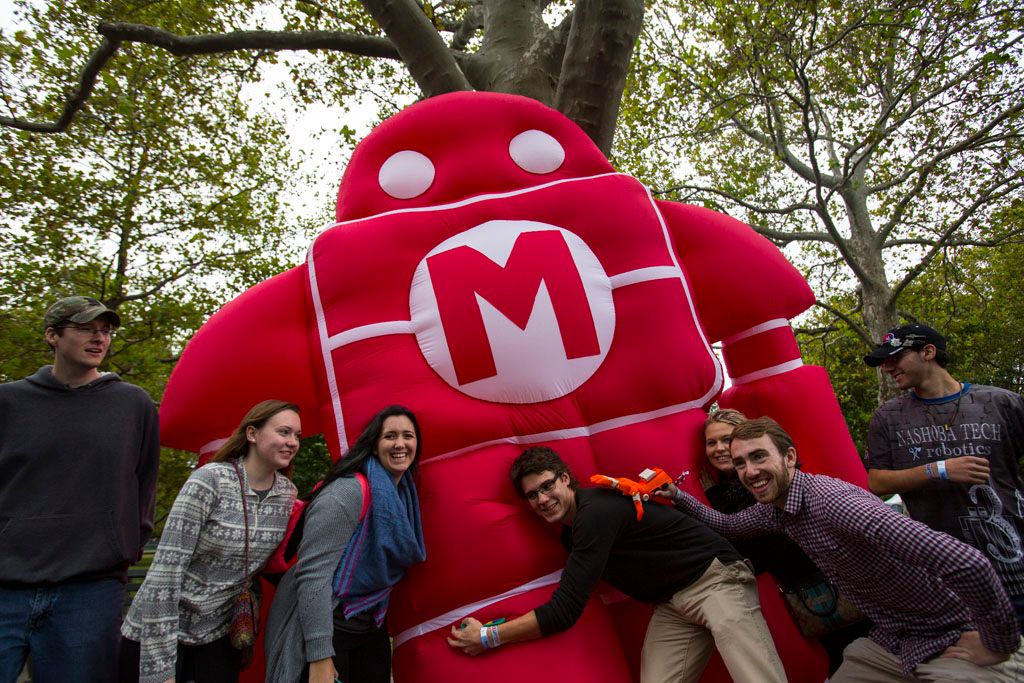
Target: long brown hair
237	445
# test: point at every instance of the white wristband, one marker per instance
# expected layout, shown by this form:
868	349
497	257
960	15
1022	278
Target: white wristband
941	465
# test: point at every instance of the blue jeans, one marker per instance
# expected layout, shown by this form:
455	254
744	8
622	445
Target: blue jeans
71	631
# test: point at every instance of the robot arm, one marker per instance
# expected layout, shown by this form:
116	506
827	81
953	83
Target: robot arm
746	292
256	347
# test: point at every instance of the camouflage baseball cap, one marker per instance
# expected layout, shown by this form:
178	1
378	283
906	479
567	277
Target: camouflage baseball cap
78	309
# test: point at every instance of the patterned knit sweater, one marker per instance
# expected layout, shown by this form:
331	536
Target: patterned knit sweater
198	569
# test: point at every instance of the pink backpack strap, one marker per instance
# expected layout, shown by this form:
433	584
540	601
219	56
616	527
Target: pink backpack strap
365	485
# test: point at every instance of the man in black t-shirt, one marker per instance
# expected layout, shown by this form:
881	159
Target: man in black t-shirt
667	559
950	449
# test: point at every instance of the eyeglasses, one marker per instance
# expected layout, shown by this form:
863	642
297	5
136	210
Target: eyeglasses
89	330
545	487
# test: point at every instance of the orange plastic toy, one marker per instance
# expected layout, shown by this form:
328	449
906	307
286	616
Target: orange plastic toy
651	479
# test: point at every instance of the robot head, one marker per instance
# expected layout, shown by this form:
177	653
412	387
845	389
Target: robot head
475	143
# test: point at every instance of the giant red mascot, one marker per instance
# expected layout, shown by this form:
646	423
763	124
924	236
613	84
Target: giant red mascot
492	271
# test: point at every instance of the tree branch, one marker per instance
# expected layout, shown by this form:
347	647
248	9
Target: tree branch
276	41
784	210
986	196
856	327
428	59
78	97
116	33
595	65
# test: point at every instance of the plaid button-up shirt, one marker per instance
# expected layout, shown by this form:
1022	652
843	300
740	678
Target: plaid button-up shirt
920	587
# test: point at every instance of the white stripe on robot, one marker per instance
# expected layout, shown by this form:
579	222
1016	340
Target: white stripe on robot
459	613
769	372
321	326
756	329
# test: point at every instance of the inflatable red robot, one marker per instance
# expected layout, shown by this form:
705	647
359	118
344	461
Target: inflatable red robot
490	270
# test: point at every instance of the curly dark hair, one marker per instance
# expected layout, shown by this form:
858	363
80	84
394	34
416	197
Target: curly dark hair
536	460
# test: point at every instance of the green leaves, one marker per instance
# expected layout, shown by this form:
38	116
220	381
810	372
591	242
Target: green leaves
877	136
163	200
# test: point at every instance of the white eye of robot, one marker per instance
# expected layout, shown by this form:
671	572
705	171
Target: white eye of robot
536	152
406	174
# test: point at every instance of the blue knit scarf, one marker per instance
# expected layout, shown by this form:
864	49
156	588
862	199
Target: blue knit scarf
386	541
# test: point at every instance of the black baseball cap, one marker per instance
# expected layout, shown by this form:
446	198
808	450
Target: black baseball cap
914	336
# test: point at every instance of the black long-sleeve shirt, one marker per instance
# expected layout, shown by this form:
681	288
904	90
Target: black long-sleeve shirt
649	560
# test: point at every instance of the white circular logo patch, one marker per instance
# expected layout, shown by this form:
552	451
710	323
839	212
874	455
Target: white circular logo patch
513	311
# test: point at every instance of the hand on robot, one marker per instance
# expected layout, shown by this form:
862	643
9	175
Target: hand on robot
466	637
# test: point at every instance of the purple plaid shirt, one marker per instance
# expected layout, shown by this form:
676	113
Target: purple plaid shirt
922	588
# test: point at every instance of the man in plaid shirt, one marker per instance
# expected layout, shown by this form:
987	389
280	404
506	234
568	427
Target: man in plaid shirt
939	610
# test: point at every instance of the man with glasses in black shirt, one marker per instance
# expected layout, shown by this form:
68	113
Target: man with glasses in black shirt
705	593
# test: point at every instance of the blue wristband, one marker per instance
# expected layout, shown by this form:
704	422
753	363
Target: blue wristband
483	638
941	465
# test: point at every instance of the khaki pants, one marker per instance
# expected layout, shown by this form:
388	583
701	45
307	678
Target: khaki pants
720	609
865	661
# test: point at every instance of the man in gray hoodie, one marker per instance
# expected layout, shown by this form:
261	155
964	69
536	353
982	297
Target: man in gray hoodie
79	451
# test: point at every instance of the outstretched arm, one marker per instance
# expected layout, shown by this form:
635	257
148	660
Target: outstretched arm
467	636
754	521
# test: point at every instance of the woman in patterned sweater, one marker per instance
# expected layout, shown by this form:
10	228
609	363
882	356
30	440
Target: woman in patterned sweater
177	626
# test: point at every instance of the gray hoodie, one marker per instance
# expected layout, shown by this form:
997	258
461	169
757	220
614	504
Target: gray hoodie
78	471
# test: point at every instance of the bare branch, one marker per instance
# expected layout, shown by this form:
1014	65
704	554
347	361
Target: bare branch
816	331
78	97
977	139
275	41
756	208
117	33
856	327
986	196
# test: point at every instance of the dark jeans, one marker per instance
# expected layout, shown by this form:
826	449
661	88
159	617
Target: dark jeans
215	662
361	657
1018	606
70	631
